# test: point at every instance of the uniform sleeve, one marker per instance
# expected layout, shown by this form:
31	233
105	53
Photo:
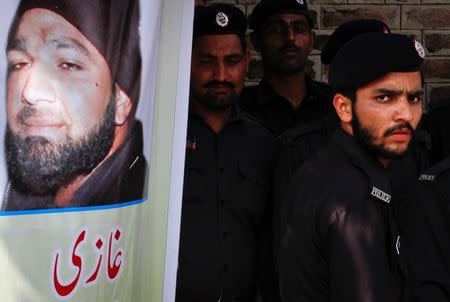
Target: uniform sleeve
358	253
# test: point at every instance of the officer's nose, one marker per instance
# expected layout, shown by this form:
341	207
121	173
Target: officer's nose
290	34
220	72
404	111
39	86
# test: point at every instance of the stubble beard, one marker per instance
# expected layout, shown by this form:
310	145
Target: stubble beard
366	138
37	166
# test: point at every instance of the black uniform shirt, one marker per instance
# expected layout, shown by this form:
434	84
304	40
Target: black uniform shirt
342	243
437	123
276	112
226	198
425	228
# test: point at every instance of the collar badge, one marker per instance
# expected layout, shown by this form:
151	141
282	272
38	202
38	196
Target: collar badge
191	144
379	194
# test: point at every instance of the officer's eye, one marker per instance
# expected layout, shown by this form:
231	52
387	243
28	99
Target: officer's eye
275	28
205	61
300	28
383	98
70	66
234	61
415	98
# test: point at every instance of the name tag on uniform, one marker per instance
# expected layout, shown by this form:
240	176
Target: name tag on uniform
383	196
425	177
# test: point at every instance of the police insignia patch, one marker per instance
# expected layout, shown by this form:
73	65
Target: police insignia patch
222	19
379	194
419	48
425	177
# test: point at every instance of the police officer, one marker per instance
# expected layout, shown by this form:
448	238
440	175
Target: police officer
425	228
286	97
307	140
342	243
437	124
229	161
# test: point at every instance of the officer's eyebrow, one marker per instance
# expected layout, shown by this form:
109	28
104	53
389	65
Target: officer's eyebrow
418	92
394	92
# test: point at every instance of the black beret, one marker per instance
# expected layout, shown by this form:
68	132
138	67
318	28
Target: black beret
347	31
111	26
219	19
267	8
370	56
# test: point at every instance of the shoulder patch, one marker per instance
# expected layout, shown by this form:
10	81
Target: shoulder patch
379	194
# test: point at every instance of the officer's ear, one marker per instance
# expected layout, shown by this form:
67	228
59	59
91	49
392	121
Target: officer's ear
313	39
123	106
248	57
343	106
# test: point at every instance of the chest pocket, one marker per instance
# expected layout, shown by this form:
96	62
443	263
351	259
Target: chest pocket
193	185
252	187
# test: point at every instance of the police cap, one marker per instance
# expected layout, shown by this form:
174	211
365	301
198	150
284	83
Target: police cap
347	31
219	19
267	8
370	56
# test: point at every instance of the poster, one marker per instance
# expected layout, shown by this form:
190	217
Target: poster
65	243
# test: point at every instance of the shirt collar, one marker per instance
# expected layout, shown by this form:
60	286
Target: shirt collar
267	94
236	114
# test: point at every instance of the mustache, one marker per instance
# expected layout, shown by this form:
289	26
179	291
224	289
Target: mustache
212	84
406	126
290	46
31	112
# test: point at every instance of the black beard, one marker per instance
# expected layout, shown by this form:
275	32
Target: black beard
216	103
365	138
37	166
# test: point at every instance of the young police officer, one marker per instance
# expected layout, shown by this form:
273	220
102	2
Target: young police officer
343	243
425	228
306	142
227	171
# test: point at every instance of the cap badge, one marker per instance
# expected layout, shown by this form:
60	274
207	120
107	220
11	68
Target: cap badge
419	48
222	19
300	2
